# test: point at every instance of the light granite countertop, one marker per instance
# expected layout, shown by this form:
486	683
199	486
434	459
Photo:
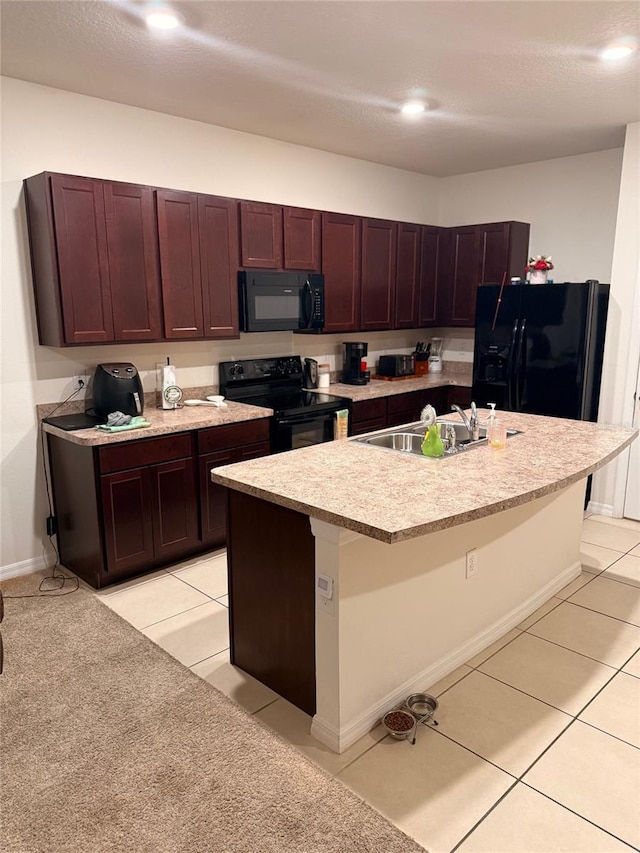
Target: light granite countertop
392	496
386	388
165	422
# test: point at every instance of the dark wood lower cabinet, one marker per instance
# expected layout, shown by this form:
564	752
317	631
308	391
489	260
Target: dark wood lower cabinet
174	506
271	555
224	446
130	507
128	527
397	409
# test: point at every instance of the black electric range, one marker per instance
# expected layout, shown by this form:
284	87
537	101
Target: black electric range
301	417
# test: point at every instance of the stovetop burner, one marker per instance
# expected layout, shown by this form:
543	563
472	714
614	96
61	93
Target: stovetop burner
274	383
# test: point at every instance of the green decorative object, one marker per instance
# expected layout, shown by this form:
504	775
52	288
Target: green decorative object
432	444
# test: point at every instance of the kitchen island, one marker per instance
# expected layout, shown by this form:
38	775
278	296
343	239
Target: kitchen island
349	574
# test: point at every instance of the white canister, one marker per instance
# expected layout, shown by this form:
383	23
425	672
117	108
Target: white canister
324	375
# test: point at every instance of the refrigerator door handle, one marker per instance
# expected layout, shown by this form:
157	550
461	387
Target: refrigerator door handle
521	357
511	363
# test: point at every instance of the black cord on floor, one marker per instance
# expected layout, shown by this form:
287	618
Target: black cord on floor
59	576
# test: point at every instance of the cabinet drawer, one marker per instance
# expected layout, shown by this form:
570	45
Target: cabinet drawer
233	435
411	402
135	454
367	410
368	426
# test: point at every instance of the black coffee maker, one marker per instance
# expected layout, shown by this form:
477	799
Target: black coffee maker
352	370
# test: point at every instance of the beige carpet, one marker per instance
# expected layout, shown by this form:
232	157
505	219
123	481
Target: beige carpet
108	743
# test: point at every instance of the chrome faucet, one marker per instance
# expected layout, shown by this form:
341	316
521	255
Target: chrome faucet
470	423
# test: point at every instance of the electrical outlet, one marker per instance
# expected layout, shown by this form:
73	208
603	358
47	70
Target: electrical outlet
80	382
472	563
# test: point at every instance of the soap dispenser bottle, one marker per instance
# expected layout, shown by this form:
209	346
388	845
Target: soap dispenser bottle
495	432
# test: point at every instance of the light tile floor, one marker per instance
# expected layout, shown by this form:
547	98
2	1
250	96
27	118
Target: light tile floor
538	743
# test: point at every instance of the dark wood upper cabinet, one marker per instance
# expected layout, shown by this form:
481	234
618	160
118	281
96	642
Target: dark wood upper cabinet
432	285
198	237
407	275
341	235
503	251
218	232
180	264
275	237
464	276
132	243
261	235
483	253
115	262
301	233
69	259
377	294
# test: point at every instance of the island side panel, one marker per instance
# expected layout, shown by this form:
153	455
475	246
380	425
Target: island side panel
271	559
406	615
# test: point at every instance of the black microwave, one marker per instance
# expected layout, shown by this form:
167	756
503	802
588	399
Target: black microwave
280	301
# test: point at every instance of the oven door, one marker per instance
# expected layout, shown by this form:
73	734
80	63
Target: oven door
290	433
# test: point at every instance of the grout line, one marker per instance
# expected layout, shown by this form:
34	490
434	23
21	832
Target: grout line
600	612
577	814
484	816
173	616
198	662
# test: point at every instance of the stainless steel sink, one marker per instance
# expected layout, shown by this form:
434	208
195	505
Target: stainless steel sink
408	439
461	432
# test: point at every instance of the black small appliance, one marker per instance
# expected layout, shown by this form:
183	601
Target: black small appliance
280	301
310	373
300	417
397	365
353	371
117	388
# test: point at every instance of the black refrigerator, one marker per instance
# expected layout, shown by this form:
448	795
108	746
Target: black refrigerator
538	348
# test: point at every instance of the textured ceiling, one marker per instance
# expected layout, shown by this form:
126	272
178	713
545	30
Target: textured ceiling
507	82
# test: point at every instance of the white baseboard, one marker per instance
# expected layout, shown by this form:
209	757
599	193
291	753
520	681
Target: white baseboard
600	509
341	739
25	567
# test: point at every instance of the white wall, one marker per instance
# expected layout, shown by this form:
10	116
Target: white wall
578	208
570	202
48	129
622	348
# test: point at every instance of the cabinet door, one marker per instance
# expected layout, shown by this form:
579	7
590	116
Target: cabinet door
261	235
180	264
464	276
218	231
213	497
132	243
81	242
503	251
432	282
301	239
493	253
128	528
407	275
341	269
377	295
175	508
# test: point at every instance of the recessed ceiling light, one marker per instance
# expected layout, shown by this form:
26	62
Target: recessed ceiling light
163	19
616	51
412	108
